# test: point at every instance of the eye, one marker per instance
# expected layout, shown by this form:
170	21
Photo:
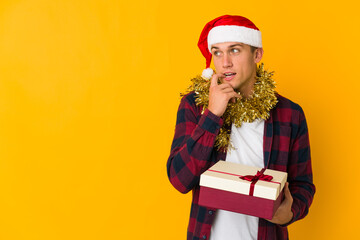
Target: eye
235	50
216	53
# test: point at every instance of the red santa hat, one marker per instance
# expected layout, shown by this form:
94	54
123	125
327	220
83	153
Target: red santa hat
227	28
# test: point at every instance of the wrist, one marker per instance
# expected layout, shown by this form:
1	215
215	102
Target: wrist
210	122
215	112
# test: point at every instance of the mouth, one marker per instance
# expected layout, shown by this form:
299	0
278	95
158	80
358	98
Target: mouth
228	76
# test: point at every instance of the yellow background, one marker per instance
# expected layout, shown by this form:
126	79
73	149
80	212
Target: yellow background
88	97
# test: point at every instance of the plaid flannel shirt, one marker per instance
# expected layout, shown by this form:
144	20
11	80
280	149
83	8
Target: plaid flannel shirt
286	148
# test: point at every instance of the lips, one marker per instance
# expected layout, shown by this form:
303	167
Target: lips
228	76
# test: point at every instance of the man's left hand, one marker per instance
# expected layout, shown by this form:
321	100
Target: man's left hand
284	214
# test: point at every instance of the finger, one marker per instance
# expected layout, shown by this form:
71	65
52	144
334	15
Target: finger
228	90
236	95
232	96
214	80
221	77
225	85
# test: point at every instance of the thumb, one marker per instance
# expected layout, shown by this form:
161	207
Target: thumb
287	192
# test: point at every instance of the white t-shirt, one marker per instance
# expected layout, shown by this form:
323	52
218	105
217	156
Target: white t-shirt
248	143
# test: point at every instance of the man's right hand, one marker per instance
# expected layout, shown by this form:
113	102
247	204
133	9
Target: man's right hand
219	96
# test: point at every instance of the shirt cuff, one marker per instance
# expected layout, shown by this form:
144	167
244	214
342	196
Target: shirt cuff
210	122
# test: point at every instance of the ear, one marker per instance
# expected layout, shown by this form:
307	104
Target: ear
258	55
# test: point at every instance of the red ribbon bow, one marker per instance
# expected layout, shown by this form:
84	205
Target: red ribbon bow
254	178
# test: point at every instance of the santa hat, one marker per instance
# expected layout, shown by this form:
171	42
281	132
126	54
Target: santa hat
227	28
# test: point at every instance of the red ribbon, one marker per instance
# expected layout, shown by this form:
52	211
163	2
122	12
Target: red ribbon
251	178
254	178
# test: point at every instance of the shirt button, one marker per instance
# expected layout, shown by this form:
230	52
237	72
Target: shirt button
204	237
211	212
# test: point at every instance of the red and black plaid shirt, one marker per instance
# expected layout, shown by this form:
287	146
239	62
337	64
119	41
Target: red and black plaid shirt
286	148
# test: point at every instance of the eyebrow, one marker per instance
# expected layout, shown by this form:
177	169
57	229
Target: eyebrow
231	46
238	44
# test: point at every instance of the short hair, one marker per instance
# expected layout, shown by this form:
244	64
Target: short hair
252	48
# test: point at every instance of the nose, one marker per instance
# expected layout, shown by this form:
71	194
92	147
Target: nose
227	61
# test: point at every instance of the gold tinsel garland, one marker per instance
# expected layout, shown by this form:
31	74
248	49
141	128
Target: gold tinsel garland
257	106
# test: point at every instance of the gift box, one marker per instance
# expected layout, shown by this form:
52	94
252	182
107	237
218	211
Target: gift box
242	189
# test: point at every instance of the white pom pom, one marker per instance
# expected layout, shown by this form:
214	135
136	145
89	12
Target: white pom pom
207	73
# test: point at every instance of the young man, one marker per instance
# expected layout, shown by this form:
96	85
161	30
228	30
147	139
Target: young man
267	130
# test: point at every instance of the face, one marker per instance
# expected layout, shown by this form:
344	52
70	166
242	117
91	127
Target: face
237	64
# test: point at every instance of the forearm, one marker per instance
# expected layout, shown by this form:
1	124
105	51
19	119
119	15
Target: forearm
192	148
300	176
303	193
